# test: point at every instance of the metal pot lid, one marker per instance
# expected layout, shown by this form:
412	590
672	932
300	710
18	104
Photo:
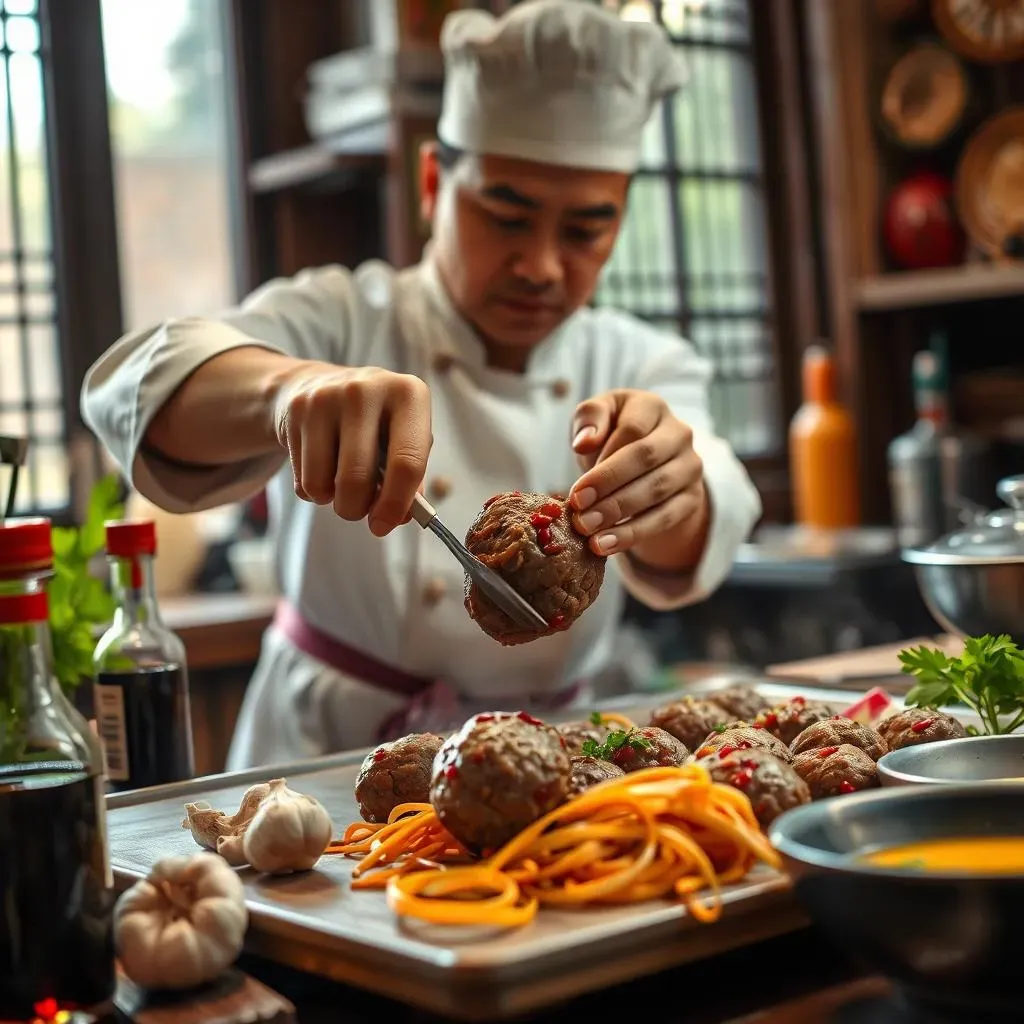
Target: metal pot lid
997	538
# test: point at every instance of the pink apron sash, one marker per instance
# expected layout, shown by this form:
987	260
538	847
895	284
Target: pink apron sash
432	705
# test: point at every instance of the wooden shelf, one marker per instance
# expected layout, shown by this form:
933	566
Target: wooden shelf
321	166
910	289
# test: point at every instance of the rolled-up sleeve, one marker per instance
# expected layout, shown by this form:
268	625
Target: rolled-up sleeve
670	367
311	316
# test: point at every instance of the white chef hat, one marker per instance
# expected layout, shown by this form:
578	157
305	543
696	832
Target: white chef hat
556	81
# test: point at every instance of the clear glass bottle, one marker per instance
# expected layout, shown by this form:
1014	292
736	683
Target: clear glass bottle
56	888
140	689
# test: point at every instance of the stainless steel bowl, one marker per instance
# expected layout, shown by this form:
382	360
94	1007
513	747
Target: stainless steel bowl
949	940
972	581
974	759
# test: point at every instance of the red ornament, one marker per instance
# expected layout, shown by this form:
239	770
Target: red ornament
920	224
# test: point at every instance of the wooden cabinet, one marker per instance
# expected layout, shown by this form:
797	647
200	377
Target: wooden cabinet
878	316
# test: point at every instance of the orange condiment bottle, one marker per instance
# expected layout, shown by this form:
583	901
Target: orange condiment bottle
823	451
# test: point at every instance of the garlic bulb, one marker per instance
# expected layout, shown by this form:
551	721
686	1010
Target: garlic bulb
288	833
181	925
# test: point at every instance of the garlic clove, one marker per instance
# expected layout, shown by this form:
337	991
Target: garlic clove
205	823
232	850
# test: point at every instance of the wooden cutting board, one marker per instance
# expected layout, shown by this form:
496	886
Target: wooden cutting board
234	998
881	662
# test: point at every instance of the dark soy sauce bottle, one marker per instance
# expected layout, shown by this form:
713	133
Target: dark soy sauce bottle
140	689
56	890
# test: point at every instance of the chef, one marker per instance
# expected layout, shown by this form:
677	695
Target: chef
486	371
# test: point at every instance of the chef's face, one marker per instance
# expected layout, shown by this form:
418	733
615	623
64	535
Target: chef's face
519	245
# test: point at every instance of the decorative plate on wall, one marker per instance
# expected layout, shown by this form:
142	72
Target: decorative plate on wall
990	186
924	96
990	31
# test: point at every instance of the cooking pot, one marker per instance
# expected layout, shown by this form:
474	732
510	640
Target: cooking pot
972	580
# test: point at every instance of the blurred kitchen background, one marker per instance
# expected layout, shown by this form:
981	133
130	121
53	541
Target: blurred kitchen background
839	175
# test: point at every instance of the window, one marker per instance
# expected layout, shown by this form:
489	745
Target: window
693	252
171	129
173	164
31	401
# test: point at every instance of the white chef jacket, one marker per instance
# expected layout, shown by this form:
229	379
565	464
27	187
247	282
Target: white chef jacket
400	598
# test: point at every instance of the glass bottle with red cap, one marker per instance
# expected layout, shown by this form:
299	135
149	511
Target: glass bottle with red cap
56	889
140	689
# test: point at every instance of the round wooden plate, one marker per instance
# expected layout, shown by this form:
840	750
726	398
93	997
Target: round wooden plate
990	185
990	31
924	96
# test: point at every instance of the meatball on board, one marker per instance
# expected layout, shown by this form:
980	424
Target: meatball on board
912	726
690	719
496	775
832	771
834	731
770	785
529	540
396	773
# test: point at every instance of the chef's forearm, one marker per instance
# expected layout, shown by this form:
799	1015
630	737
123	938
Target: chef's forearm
223	412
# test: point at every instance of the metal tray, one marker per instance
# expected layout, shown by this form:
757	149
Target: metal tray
316	923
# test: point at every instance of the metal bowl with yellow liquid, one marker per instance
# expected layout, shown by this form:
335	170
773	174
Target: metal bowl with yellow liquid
924	884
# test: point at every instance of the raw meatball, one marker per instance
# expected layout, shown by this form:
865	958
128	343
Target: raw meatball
589	771
742	703
788	720
911	726
769	784
689	719
496	775
835	731
745	737
529	540
652	748
829	771
396	773
576	734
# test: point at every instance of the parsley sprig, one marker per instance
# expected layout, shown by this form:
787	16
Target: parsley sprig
988	677
80	602
616	741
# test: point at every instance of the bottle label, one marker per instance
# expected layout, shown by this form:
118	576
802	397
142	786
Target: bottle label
110	722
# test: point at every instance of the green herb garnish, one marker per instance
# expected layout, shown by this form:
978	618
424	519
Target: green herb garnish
615	741
595	718
988	677
79	601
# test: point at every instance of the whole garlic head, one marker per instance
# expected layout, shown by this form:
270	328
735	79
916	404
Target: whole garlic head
183	924
289	832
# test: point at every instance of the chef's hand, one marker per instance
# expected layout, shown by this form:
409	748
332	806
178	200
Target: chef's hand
330	418
642	489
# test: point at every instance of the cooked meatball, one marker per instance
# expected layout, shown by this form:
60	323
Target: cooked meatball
529	540
496	775
837	730
742	703
919	725
689	719
589	771
576	734
745	737
769	784
396	773
788	720
829	771
650	747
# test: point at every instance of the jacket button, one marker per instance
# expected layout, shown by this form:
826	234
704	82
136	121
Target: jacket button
443	362
560	388
440	487
433	592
